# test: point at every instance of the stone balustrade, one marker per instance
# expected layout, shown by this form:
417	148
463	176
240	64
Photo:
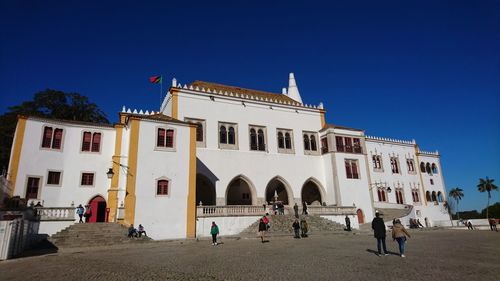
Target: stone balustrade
56	213
246	210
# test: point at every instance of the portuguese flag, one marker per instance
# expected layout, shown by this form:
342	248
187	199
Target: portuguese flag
155	79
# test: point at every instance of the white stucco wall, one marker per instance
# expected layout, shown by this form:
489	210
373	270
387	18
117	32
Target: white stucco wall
227	225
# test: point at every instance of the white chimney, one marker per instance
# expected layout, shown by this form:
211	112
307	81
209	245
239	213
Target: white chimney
293	91
174	82
283	91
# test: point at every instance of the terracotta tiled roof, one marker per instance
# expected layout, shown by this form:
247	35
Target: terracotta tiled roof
65	121
328	126
239	90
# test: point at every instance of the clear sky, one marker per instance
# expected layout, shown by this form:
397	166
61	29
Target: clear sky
424	70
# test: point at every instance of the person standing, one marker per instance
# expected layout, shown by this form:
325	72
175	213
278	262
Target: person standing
262	230
493	225
80	211
304	208
399	233
304	228
296	210
378	227
469	225
296	228
214	230
88	213
348	223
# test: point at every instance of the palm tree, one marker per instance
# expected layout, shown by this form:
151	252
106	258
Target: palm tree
457	193
486	185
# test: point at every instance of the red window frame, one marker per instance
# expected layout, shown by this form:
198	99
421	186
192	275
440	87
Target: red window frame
162	187
57	141
47	137
169	139
96	142
160	137
54	178
86	141
32	188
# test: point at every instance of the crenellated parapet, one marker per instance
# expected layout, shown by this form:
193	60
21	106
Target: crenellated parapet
140	111
435	153
382	139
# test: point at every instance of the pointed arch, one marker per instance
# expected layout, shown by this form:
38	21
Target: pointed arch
281	190
237	189
98	206
312	196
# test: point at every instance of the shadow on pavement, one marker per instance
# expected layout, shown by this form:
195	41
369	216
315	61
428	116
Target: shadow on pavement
376	252
43	247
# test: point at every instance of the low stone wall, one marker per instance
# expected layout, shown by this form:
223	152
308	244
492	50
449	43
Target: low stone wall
227	225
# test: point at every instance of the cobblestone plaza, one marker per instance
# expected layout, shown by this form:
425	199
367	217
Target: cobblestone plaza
431	255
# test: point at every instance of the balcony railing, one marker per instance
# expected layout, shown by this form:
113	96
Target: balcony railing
56	213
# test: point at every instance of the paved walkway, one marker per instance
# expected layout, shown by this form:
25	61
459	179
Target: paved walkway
431	255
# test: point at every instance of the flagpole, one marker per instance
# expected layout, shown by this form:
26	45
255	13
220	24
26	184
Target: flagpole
161	90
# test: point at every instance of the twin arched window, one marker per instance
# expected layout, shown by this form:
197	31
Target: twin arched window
165	138
310	143
91	142
227	135
257	139
284	140
52	138
414	195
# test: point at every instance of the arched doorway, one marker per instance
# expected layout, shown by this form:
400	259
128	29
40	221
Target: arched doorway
98	207
205	191
311	193
277	187
239	192
361	218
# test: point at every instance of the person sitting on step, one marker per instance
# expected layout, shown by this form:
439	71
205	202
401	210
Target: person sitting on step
141	230
132	232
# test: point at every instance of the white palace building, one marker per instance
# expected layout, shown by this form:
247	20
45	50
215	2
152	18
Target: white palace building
219	153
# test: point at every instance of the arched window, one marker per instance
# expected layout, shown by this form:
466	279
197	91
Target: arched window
253	139
230	136
439	196
422	167
281	140
428	168
87	139
288	141
434	198
160	140
434	168
222	134
96	142
260	140
314	147
399	196
47	137
199	132
56	144
428	196
381	195
169	141
307	145
162	187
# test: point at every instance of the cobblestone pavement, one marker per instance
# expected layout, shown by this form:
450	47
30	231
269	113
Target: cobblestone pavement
431	255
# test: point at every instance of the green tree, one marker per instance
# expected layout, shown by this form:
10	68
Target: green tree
493	209
486	185
50	104
457	194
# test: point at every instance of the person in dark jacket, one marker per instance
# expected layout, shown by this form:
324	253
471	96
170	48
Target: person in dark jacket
296	210
296	228
347	223
304	208
214	231
262	230
378	227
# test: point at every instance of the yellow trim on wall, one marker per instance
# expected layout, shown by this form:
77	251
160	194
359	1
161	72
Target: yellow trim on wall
113	190
16	152
175	103
322	115
131	171
191	200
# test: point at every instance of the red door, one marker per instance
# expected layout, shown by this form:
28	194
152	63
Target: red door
360	216
98	207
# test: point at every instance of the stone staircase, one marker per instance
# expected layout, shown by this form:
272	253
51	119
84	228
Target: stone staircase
93	234
282	225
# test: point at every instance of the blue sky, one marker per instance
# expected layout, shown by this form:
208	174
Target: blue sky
424	70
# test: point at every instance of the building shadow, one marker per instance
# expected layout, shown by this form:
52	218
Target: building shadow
376	252
44	247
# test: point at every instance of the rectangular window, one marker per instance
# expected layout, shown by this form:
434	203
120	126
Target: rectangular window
32	188
56	143
160	140
162	187
165	138
47	137
87	179
357	145
324	145
54	178
340	144
169	142
348	145
351	169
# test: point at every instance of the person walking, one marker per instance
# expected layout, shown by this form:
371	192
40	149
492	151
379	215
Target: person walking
296	210
80	211
214	230
304	208
399	233
296	228
347	223
304	228
469	225
262	230
378	227
266	221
